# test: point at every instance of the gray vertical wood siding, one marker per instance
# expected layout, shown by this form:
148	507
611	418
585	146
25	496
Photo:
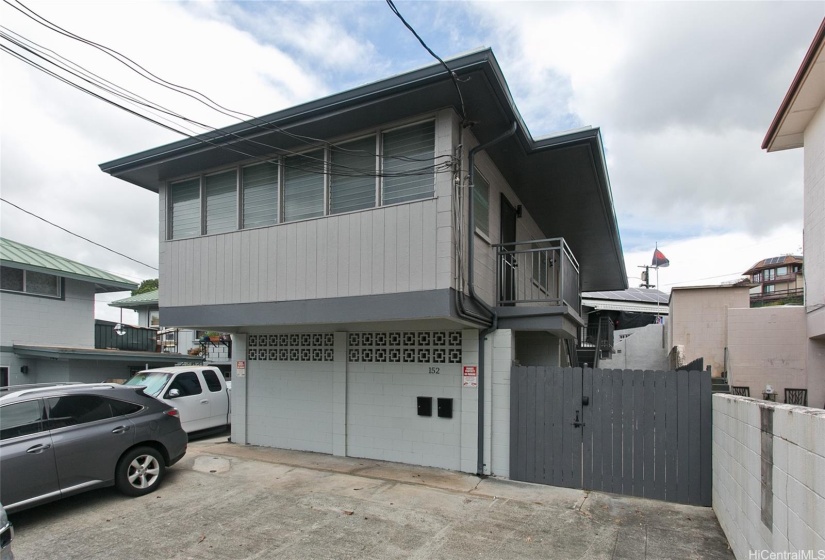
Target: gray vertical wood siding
379	251
645	434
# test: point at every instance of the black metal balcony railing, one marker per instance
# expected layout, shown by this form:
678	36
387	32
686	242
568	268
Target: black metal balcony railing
537	272
133	338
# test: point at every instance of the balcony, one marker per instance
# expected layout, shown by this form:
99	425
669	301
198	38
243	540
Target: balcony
794	296
133	338
537	286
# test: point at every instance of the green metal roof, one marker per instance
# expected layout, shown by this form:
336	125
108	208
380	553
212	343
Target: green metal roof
17	255
146	299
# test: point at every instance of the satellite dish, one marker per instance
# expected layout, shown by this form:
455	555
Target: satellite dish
120	329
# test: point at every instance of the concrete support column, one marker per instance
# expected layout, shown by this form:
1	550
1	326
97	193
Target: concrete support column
469	404
240	384
499	350
339	395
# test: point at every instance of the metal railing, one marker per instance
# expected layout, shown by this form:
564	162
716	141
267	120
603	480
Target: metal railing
537	272
791	296
133	338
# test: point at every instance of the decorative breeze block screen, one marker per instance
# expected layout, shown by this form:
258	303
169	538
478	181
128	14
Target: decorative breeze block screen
306	347
424	347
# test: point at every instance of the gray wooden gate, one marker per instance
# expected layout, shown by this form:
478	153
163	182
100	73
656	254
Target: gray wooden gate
645	434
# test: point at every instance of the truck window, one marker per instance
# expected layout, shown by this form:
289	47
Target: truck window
212	381
187	383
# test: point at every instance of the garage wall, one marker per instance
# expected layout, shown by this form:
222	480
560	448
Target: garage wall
356	394
289	405
382	418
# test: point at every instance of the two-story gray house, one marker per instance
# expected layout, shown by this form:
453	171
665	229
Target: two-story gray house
382	257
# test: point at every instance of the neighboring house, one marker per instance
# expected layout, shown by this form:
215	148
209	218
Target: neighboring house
172	340
777	281
636	320
698	324
800	123
382	257
47	328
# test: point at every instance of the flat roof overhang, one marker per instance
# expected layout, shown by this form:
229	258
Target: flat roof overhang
79	353
562	180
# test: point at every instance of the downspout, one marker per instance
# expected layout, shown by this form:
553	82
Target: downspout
471	229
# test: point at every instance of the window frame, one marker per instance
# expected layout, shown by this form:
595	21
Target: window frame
478	230
279	160
60	285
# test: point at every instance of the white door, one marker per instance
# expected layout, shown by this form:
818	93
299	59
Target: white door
218	398
193	401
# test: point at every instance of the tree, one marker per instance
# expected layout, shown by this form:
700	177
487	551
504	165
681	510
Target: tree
146	286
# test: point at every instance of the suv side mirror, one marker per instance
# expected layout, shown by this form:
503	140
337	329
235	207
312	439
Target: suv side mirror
173	393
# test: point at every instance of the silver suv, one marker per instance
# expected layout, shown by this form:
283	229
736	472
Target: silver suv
59	440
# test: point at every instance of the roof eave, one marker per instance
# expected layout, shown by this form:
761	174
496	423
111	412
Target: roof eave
793	92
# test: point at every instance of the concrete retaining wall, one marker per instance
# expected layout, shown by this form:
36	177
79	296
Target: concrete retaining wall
769	476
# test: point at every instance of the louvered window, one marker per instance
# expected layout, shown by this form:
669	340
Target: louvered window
260	195
304	186
185	209
352	176
481	203
221	202
408	158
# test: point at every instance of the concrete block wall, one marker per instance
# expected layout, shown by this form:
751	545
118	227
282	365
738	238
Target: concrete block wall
769	476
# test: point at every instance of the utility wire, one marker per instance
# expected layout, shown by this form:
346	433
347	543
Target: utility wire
76	235
194	94
452	74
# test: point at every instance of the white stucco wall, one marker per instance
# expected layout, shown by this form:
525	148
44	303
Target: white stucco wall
814	223
767	346
642	348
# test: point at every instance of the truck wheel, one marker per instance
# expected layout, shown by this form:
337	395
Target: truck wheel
139	471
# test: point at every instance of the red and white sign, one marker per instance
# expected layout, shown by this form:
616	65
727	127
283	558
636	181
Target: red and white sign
240	364
470	381
470	371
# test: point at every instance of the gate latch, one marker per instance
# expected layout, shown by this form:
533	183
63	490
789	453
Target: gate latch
576	423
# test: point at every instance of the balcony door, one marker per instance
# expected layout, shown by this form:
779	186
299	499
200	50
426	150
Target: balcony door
507	280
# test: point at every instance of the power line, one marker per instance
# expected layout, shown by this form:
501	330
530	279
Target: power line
195	94
452	74
77	235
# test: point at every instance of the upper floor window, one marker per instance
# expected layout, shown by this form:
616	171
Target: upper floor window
29	282
390	167
260	194
768	288
304	186
221	193
352	181
185	209
408	163
481	203
782	271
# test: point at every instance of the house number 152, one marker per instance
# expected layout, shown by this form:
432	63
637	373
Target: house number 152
435	370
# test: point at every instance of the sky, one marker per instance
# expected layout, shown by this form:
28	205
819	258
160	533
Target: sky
683	93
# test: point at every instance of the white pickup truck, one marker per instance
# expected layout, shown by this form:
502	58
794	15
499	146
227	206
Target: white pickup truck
200	393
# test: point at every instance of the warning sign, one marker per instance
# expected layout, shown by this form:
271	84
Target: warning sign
470	371
470	381
240	368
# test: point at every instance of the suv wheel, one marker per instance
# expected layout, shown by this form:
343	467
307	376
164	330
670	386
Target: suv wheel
139	471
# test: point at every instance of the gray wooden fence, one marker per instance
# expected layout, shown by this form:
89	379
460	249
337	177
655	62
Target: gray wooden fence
638	433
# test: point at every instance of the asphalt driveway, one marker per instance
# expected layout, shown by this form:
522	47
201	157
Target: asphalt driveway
230	501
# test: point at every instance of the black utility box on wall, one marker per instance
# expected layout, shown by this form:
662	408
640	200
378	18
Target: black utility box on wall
425	406
445	408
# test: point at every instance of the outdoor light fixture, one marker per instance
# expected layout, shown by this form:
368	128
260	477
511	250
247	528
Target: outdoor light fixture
120	329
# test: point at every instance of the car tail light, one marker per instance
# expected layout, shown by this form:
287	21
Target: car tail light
172	412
